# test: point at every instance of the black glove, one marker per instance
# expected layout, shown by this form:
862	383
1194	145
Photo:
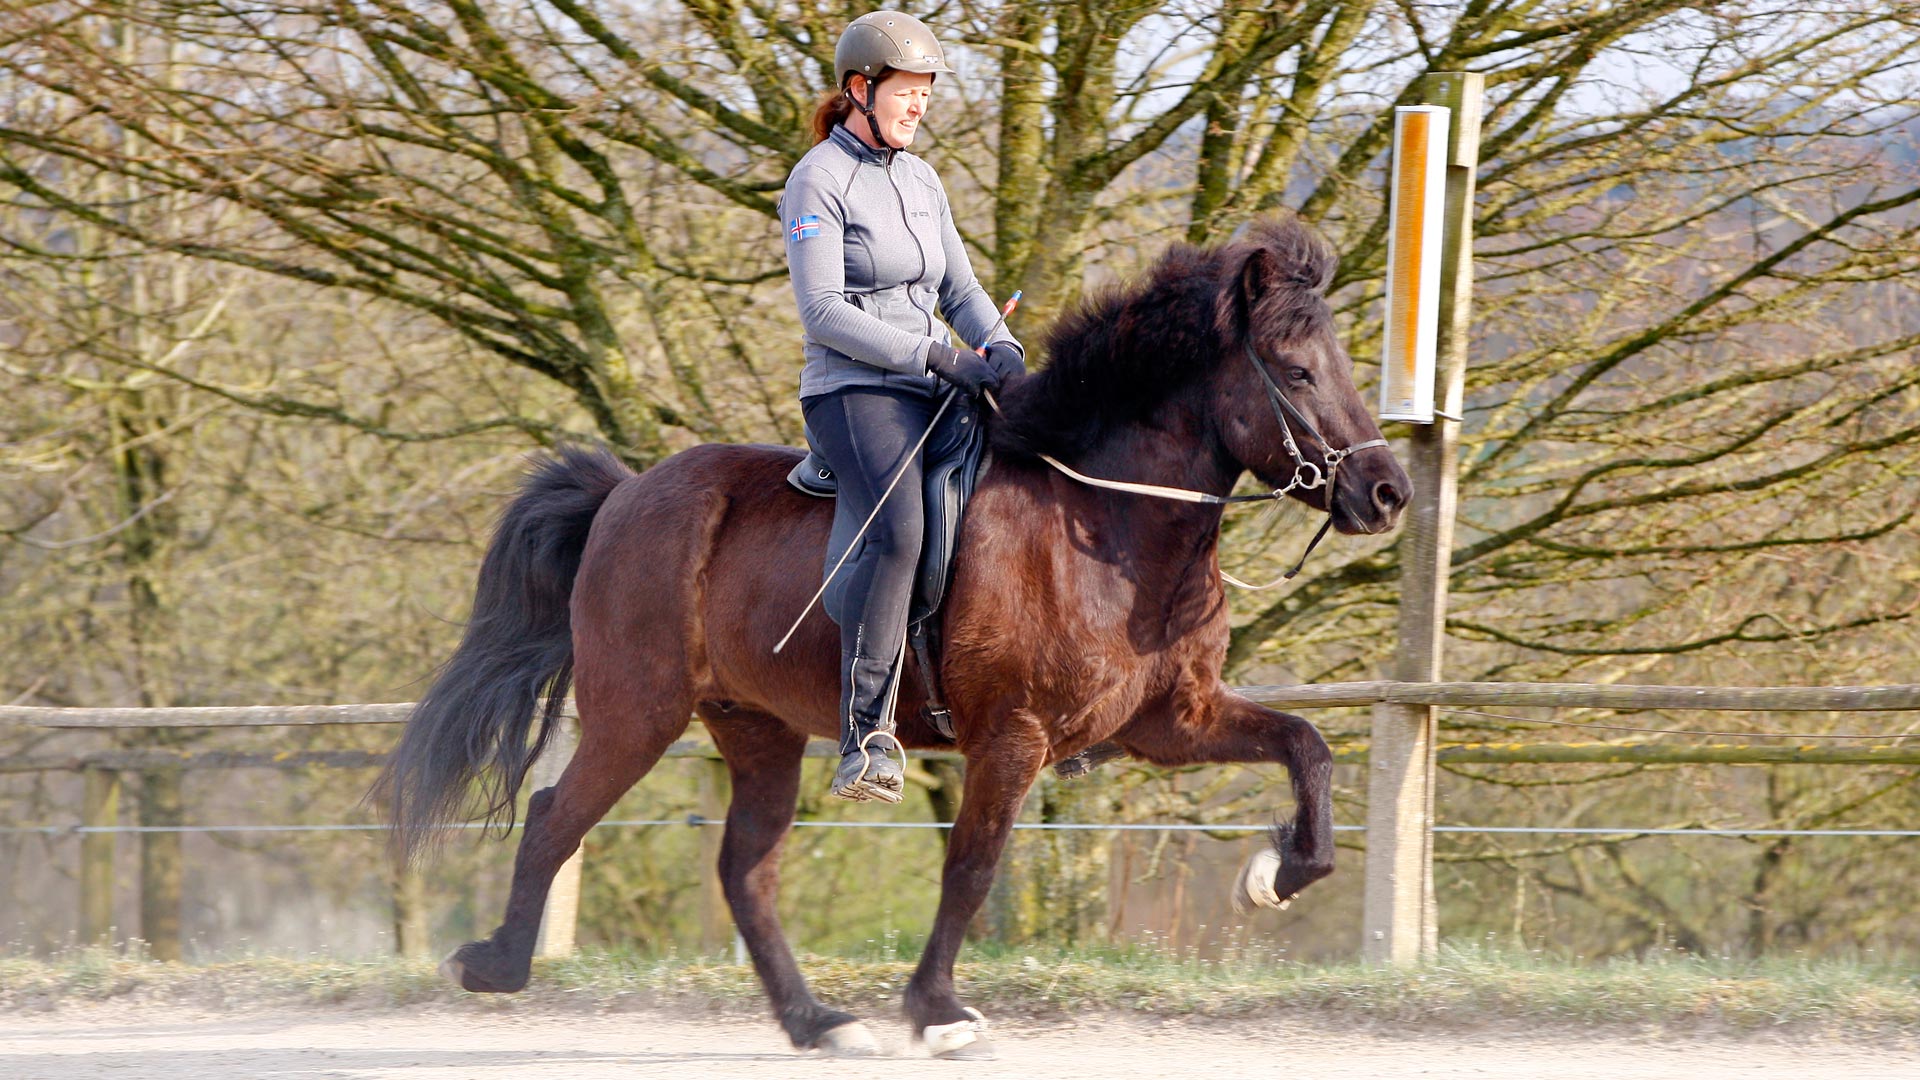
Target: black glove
966	371
1005	360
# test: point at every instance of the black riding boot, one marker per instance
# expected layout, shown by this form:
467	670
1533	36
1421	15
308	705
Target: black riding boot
870	766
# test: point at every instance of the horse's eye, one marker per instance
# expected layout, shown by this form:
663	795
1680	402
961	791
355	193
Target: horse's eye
1299	374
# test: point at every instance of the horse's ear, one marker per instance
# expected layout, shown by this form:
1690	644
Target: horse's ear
1259	275
1286	255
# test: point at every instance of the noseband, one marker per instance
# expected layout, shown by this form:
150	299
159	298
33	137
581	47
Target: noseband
1307	475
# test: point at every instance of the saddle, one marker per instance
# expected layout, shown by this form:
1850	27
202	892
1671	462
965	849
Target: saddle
955	458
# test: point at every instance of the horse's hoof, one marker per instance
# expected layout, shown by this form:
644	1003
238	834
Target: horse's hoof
1254	887
978	1050
455	972
1072	768
1084	762
965	1040
474	980
848	1041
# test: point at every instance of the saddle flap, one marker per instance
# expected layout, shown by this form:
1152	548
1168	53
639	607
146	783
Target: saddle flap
954	459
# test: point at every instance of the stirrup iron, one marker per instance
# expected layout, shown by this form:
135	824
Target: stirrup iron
859	789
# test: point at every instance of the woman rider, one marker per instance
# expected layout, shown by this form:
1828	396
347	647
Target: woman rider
872	249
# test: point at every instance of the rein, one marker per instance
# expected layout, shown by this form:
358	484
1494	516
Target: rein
1307	475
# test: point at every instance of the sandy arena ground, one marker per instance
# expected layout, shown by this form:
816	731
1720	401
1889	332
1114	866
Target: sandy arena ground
122	1041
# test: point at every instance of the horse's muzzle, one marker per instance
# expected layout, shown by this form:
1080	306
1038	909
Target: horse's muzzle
1370	499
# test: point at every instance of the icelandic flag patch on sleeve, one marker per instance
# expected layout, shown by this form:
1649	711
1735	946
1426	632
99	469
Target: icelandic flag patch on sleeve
803	227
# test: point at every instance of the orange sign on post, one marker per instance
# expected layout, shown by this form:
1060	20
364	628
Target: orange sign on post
1419	188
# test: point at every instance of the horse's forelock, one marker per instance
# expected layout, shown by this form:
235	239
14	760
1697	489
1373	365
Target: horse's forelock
1282	270
1306	259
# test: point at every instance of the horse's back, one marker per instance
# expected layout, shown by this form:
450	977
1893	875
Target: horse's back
662	527
701	563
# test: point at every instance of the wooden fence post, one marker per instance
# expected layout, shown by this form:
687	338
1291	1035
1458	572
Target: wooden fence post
561	918
162	863
411	934
100	810
716	920
1400	924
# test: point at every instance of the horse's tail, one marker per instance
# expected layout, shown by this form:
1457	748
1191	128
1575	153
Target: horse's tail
472	724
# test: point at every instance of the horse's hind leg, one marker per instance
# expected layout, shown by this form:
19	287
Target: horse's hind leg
617	747
763	756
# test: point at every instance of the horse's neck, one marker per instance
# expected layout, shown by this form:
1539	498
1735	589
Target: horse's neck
1173	447
1167	543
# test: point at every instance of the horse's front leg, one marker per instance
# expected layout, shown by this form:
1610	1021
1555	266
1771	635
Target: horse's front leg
997	783
1235	729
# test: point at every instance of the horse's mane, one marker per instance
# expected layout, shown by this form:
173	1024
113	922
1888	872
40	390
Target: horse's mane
1124	349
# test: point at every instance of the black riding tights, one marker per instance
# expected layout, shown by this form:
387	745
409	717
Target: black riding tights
864	433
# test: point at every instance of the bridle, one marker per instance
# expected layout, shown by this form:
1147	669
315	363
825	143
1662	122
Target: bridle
1307	475
1284	410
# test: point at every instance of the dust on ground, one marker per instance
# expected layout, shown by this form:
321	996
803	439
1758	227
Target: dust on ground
122	1040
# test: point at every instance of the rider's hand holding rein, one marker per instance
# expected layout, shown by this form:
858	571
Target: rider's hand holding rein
1005	360
964	371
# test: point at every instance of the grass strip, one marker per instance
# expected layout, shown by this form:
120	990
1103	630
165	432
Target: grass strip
1463	988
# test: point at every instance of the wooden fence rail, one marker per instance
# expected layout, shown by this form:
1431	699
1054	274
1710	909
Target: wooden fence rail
102	769
1624	698
1317	696
1346	753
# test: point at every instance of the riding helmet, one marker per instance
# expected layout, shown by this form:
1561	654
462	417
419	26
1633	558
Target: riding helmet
887	39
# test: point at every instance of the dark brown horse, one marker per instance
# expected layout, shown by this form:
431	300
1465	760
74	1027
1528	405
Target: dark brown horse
1076	615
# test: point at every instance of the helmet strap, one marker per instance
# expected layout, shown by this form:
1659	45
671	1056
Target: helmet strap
873	122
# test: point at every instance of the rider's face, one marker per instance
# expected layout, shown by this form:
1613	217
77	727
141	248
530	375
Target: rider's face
899	104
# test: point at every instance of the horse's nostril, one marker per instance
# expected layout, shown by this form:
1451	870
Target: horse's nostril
1387	497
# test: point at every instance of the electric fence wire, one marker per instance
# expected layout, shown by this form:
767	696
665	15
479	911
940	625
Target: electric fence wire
695	820
1886	737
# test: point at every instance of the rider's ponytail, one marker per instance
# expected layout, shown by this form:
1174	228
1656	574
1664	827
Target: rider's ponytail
833	109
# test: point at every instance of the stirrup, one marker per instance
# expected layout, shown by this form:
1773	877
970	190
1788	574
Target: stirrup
859	789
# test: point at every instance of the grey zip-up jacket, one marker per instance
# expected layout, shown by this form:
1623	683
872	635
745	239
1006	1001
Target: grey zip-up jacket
873	254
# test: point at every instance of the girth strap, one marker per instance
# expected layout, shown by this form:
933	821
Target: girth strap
920	635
